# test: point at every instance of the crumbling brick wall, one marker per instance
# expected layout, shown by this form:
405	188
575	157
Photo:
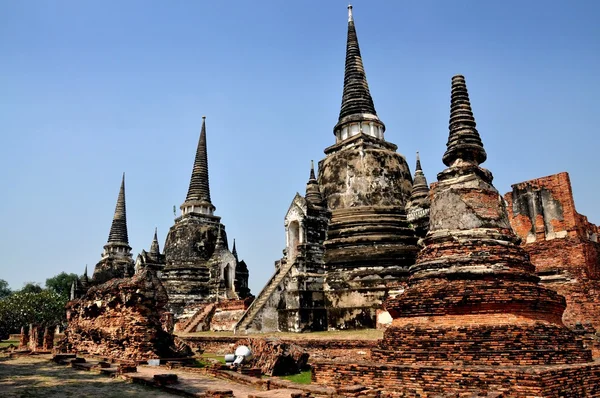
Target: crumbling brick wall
120	319
562	244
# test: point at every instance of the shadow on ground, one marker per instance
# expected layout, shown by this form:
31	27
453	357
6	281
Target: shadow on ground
38	377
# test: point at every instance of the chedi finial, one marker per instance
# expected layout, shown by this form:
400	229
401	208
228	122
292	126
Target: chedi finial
350	17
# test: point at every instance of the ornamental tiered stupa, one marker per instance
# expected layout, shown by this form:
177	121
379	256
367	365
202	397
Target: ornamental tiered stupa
474	317
196	272
366	185
417	208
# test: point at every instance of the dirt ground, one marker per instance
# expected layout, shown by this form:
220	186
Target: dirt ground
36	376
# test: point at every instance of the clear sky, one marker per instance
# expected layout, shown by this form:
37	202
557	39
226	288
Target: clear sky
91	89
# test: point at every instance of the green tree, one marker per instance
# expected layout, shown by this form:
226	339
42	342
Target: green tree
31	287
4	289
46	308
61	283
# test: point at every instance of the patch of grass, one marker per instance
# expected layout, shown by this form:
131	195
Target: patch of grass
300	378
6	343
210	355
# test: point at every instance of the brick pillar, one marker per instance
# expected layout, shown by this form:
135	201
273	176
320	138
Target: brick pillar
48	341
24	339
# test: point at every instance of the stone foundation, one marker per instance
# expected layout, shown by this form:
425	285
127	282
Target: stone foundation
417	380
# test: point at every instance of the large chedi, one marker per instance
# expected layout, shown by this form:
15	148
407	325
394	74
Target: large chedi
474	317
348	239
366	185
198	270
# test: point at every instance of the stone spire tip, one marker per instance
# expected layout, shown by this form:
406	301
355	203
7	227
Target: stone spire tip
350	17
418	162
464	141
312	170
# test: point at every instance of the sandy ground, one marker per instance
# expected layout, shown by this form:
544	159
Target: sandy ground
36	376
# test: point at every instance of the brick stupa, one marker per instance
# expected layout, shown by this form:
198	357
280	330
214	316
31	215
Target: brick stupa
474	317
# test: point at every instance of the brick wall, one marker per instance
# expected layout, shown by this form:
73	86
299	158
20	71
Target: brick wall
562	244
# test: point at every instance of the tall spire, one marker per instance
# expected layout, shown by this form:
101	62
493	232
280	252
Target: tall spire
118	229
199	189
154	248
357	103
463	141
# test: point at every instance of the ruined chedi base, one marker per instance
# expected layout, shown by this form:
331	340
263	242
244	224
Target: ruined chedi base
121	319
474	318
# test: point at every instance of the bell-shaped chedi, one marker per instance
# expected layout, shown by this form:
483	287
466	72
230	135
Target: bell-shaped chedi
191	245
473	295
365	184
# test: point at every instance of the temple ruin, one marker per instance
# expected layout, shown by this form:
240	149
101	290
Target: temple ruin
563	244
201	272
117	314
474	317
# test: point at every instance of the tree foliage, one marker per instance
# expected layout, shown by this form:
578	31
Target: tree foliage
4	289
61	283
31	287
45	308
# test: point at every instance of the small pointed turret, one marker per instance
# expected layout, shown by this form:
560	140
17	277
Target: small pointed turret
72	295
313	193
85	280
220	244
118	229
154	248
420	189
234	250
357	114
464	141
198	196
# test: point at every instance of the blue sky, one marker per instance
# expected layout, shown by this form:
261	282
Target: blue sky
93	89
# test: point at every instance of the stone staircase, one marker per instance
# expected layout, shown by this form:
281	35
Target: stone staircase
202	315
263	297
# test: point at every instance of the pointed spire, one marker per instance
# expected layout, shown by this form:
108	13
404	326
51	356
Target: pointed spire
154	248
464	141
220	244
199	189
72	295
118	229
85	280
357	104
420	188
313	193
234	250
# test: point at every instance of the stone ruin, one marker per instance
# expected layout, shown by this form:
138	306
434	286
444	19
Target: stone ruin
121	319
474	317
